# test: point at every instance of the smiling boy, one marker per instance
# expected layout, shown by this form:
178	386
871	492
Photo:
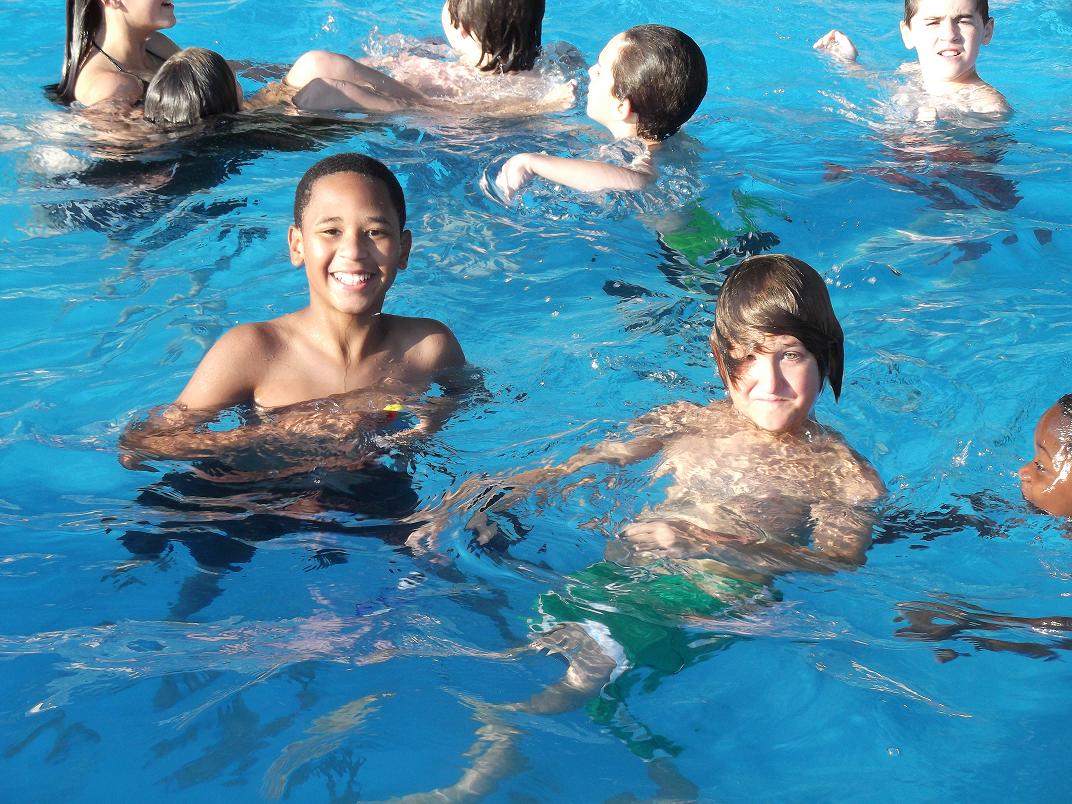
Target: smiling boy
647	82
349	233
947	36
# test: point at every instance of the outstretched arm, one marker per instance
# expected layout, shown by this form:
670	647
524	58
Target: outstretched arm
481	495
581	174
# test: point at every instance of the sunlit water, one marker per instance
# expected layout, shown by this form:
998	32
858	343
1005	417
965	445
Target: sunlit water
166	637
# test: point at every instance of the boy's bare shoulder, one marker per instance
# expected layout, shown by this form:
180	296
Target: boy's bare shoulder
987	100
678	417
424	343
859	481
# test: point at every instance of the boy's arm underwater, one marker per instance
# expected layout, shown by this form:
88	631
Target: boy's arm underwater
581	174
334	432
482	495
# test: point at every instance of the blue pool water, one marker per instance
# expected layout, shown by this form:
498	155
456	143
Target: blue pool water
163	637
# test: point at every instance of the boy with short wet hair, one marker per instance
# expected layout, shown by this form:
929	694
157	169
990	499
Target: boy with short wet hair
947	36
349	233
1046	480
647	82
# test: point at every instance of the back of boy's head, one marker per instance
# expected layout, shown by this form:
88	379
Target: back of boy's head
663	73
192	84
774	294
360	164
912	6
509	31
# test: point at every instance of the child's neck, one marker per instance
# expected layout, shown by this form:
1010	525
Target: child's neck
345	337
623	130
124	43
951	86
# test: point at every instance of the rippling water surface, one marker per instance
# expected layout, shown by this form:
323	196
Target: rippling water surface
167	636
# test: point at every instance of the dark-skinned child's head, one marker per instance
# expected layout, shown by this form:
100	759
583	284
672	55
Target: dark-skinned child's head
1046	479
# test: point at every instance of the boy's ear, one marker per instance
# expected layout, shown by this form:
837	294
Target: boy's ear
405	243
297	248
625	111
988	31
906	36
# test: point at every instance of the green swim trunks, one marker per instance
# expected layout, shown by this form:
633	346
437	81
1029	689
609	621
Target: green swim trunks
639	615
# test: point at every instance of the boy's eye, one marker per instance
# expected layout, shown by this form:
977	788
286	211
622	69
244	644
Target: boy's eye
1039	466
792	355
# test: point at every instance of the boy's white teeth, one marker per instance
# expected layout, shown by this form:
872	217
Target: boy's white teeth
351	279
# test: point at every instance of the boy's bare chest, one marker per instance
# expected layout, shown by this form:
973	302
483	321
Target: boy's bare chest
302	374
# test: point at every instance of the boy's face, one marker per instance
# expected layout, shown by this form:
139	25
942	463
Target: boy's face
1046	480
350	242
947	36
778	386
603	107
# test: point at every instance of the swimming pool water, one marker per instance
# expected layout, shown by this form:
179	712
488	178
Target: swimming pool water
164	637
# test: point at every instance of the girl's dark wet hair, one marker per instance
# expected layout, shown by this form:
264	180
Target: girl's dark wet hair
84	19
912	6
349	163
509	31
774	294
192	84
663	73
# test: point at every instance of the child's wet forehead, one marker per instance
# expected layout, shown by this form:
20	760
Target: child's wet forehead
946	8
364	191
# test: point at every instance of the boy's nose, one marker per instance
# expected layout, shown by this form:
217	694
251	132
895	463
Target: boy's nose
354	246
1025	472
950	30
767	375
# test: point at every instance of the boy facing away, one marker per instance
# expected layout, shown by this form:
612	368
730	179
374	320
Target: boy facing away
349	233
947	36
648	81
496	44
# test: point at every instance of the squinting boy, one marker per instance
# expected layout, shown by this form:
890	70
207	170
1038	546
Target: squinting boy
648	81
947	36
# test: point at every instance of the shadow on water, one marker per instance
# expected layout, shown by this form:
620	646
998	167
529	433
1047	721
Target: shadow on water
139	187
220	524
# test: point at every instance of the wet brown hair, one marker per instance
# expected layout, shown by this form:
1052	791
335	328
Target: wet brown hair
192	84
84	18
912	6
509	31
774	294
663	73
